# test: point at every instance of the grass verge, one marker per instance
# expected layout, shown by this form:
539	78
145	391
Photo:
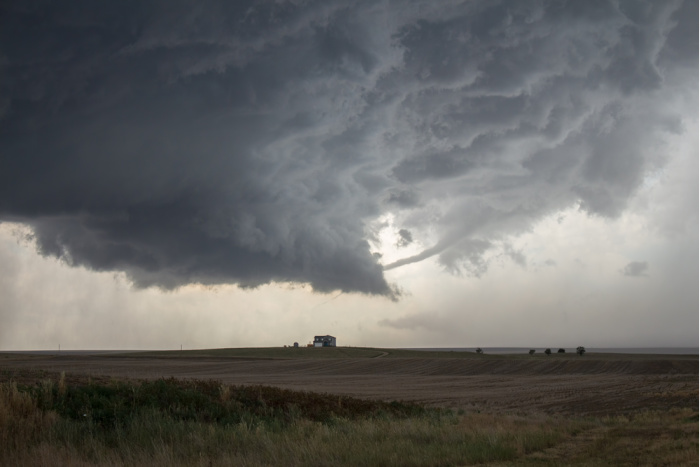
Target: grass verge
171	422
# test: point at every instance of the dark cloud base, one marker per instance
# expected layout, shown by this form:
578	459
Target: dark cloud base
232	142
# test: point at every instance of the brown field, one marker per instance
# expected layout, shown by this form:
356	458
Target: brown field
603	384
599	409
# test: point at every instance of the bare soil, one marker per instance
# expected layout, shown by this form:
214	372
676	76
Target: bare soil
586	385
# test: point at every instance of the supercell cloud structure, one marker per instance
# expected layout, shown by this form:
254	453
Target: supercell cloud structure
253	142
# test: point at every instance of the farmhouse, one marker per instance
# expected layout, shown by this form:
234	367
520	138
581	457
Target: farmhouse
324	341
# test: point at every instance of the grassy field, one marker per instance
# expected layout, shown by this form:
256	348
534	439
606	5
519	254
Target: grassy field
371	352
269	352
309	352
171	422
77	416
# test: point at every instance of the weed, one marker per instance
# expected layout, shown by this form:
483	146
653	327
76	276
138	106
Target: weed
170	422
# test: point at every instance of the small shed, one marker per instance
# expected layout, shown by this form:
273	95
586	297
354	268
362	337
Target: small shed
324	341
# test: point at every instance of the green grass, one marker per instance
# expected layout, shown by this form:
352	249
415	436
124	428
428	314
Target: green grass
47	421
114	404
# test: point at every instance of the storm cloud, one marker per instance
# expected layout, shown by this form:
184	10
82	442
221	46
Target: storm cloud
255	142
636	269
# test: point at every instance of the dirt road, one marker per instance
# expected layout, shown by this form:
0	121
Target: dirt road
572	386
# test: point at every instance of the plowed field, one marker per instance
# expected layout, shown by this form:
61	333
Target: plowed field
557	384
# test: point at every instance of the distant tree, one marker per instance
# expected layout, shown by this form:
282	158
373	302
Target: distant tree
479	351
548	351
532	352
580	350
561	351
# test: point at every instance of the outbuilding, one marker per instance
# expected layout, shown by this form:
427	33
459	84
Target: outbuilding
324	341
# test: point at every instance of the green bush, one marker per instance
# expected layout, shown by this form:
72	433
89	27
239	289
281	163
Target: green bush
117	403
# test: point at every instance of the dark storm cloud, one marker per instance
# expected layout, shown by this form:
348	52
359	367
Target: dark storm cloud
249	142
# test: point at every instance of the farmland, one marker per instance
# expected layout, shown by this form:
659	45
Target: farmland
599	408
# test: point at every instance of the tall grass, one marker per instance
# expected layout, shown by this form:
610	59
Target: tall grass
170	422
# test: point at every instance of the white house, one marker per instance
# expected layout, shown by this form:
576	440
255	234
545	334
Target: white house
324	341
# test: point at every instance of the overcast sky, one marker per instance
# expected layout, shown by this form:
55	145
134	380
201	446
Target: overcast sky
393	173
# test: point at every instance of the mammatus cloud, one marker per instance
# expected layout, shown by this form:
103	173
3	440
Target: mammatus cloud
636	269
249	142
